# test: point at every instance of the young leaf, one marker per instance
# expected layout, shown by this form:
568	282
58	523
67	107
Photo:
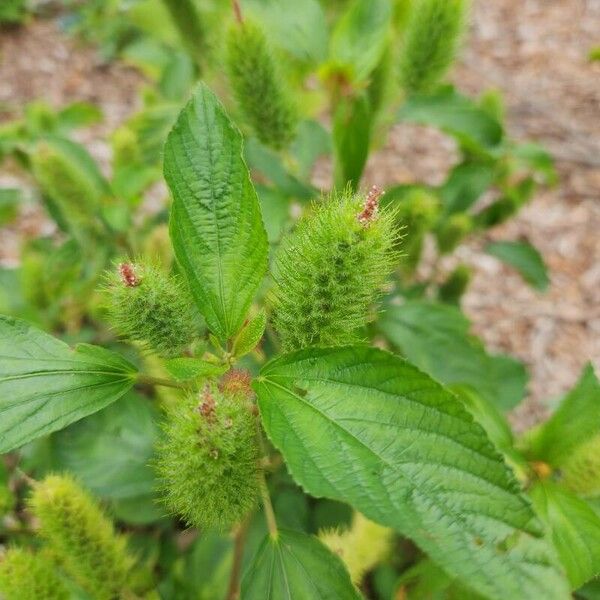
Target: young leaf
251	334
296	565
455	114
45	385
464	186
359	38
216	226
186	368
574	527
351	137
525	259
436	338
361	425
575	422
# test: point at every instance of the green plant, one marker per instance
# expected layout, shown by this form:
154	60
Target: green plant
296	406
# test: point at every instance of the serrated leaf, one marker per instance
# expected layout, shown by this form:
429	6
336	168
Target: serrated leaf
525	259
184	368
360	36
216	227
351	139
361	425
45	385
575	422
296	565
436	338
455	114
574	528
250	335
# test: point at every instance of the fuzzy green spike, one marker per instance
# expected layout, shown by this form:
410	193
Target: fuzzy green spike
331	271
581	470
81	537
208	460
146	305
431	42
259	87
28	576
361	547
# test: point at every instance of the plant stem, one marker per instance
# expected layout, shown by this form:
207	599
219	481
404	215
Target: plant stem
264	490
149	380
237	11
233	593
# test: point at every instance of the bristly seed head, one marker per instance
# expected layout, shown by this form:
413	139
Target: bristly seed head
371	206
128	276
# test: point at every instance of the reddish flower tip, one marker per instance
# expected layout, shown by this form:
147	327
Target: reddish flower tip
128	276
207	405
371	206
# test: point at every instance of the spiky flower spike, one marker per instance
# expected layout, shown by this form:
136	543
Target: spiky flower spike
361	547
331	270
432	39
146	305
28	576
208	459
81	537
258	86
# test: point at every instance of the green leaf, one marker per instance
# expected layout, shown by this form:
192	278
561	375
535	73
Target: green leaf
110	452
296	565
361	425
78	114
435	337
216	227
184	369
456	115
465	185
45	385
525	259
351	138
574	528
575	422
360	36
298	27
250	335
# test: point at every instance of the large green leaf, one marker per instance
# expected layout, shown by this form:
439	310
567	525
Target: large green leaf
110	452
436	338
360	36
361	425
294	566
45	385
455	114
575	422
525	259
216	226
574	527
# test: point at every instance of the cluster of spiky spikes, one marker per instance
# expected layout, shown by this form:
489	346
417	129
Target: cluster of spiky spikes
25	575
361	547
432	38
330	271
259	87
146	305
581	471
208	459
81	537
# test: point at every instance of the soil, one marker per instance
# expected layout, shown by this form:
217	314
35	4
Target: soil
536	52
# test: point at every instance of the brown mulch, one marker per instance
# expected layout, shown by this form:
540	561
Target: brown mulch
533	50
